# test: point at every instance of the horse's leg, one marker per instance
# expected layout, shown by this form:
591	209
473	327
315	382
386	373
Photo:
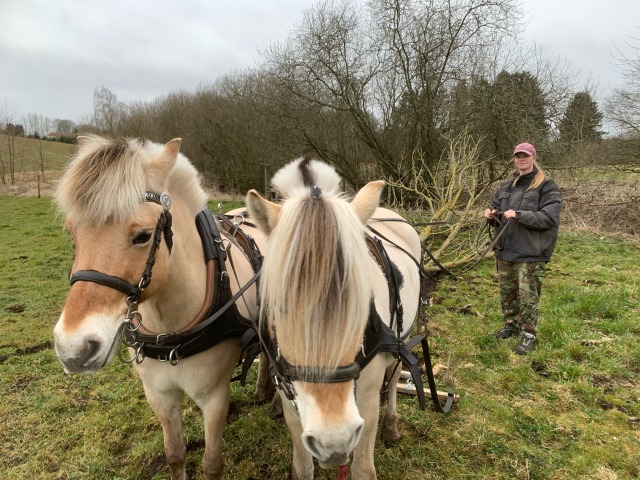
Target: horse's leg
214	411
302	462
275	409
390	432
168	410
265	389
209	389
368	399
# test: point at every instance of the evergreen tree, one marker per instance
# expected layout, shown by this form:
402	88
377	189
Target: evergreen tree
582	120
518	108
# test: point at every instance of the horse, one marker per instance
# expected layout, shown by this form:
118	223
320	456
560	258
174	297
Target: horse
120	198
319	288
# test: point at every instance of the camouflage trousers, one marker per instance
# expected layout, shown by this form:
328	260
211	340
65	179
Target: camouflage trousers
520	286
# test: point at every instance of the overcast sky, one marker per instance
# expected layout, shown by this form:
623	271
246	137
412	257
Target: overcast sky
54	53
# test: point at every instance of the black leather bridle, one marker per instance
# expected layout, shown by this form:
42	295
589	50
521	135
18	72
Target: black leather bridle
133	291
284	373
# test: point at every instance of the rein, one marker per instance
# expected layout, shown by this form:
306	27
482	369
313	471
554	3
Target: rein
493	240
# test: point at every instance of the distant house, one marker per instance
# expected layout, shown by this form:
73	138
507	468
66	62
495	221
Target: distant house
57	135
62	137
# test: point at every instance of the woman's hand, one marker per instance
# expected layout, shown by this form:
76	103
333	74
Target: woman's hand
488	213
510	214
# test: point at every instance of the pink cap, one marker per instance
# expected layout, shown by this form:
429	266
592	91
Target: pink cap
526	148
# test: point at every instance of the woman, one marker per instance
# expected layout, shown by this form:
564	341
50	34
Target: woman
527	207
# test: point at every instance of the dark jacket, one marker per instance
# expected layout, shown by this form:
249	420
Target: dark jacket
532	235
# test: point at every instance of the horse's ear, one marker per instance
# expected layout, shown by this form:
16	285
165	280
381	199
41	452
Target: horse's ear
367	199
160	166
173	147
264	212
82	140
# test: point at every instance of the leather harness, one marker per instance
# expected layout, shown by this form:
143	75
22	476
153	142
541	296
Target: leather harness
378	338
219	319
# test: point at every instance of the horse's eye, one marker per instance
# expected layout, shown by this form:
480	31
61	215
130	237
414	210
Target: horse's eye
142	238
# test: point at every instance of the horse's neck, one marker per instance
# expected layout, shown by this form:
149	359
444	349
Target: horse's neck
181	298
182	294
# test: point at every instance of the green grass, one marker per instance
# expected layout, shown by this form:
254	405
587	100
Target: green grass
569	410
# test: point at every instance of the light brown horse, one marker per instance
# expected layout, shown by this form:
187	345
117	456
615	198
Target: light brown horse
116	197
316	288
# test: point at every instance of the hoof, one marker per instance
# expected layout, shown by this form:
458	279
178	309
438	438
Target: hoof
275	409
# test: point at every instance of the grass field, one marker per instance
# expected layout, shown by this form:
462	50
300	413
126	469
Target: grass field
570	410
29	159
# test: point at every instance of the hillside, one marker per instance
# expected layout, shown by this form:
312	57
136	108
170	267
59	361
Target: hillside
31	157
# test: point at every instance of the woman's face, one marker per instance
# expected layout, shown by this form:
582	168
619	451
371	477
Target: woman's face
524	162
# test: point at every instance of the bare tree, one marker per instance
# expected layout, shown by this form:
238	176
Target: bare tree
38	126
386	70
623	107
8	152
452	210
107	110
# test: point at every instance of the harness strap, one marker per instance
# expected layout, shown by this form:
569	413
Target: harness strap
382	258
245	241
220	320
185	337
94	276
250	343
432	381
419	265
380	338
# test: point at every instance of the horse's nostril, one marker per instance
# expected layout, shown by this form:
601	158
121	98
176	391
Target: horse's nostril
357	433
311	444
92	348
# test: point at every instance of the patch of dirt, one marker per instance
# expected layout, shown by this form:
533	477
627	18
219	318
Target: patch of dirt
30	184
540	369
15	308
27	350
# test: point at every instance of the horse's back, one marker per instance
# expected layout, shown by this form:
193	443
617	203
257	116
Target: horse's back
241	216
396	230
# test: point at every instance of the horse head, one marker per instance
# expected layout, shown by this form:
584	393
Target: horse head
316	292
119	198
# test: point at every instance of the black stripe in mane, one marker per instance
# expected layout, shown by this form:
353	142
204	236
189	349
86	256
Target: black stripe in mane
305	172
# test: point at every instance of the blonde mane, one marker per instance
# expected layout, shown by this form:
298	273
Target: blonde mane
106	180
316	277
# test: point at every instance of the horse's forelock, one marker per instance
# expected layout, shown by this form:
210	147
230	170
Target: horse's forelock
315	283
106	178
103	181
